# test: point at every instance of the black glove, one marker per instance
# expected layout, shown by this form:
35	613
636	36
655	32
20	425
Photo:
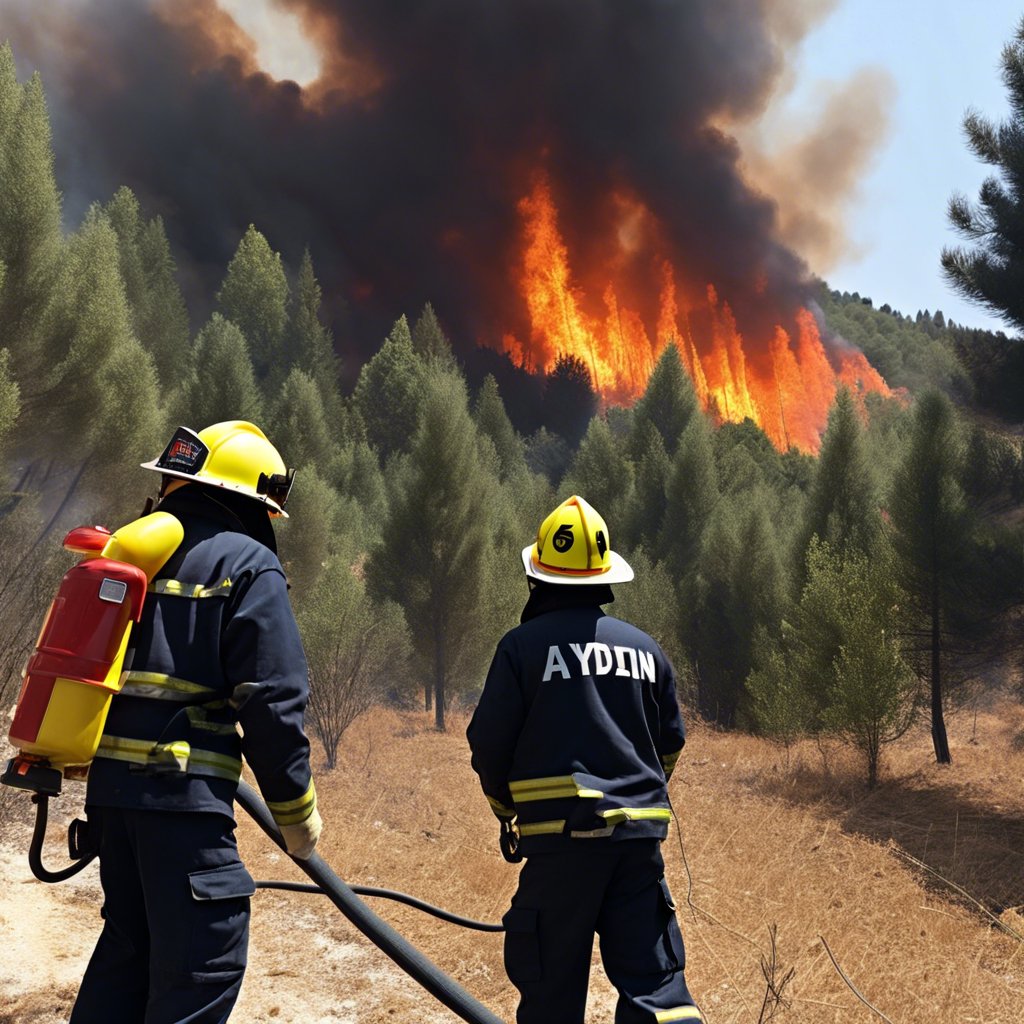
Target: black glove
509	842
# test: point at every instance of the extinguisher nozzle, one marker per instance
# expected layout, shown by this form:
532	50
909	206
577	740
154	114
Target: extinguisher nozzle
33	776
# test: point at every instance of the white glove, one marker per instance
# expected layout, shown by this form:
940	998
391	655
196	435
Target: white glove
300	839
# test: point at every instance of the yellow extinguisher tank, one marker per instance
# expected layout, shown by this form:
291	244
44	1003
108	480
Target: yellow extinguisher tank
78	662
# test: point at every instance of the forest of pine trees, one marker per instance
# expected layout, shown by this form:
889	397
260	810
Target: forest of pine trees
845	594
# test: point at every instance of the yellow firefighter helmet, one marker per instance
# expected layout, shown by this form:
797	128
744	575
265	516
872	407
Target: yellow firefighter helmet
573	546
235	455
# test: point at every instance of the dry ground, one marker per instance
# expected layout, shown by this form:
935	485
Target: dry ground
794	842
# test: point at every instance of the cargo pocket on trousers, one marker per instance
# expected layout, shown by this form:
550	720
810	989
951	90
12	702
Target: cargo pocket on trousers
522	945
674	951
219	938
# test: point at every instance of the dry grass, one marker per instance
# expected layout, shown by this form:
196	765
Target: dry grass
801	846
792	843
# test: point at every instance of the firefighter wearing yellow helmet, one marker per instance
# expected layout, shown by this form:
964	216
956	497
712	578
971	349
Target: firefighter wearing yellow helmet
218	673
574	738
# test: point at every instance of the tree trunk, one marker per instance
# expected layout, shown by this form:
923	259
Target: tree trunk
439	671
939	739
428	695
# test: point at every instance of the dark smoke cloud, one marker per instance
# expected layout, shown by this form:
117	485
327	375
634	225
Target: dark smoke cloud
403	166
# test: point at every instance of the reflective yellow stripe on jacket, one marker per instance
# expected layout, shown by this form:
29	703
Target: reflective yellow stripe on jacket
176	588
160	686
292	812
179	755
551	788
677	1013
668	761
620	814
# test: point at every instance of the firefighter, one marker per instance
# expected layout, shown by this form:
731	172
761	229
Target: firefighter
218	671
574	739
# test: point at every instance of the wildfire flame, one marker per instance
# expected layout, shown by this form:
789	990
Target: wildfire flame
787	390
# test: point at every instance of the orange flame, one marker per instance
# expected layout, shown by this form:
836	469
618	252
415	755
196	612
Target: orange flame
788	394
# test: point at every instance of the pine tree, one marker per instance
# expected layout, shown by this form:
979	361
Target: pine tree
30	214
667	403
601	473
159	316
649	500
932	526
310	344
992	272
437	540
739	591
299	423
222	385
843	505
320	526
493	422
98	405
691	495
569	401
389	391
428	339
254	297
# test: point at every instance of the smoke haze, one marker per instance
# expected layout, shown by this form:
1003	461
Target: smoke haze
402	165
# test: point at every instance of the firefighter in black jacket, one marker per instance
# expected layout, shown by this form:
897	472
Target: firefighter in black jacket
217	649
574	739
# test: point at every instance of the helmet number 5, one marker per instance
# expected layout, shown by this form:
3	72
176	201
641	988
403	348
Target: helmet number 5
563	537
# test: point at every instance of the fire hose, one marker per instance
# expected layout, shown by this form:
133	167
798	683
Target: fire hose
325	882
381	934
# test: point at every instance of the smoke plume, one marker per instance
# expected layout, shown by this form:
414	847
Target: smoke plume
403	165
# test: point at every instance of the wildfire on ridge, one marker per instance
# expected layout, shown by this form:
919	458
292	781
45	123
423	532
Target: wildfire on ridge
785	383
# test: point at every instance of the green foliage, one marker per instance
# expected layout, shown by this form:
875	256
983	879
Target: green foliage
649	501
932	528
358	651
310	344
691	495
221	384
602	474
312	534
30	238
838	665
300	428
389	392
548	454
739	590
569	399
437	542
493	422
10	397
991	272
429	340
159	317
254	297
667	403
649	602
843	505
908	353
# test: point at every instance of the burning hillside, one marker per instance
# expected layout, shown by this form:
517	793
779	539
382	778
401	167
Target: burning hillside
547	173
784	382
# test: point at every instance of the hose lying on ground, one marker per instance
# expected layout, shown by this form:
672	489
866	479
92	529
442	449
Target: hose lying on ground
381	934
390	894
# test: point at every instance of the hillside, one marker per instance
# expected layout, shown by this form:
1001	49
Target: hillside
796	845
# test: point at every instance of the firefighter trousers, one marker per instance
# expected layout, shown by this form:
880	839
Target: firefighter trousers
175	920
618	891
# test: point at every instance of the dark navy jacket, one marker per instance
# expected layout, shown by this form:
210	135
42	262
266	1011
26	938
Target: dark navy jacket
578	728
217	650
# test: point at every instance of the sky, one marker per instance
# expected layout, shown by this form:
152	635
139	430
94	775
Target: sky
943	57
